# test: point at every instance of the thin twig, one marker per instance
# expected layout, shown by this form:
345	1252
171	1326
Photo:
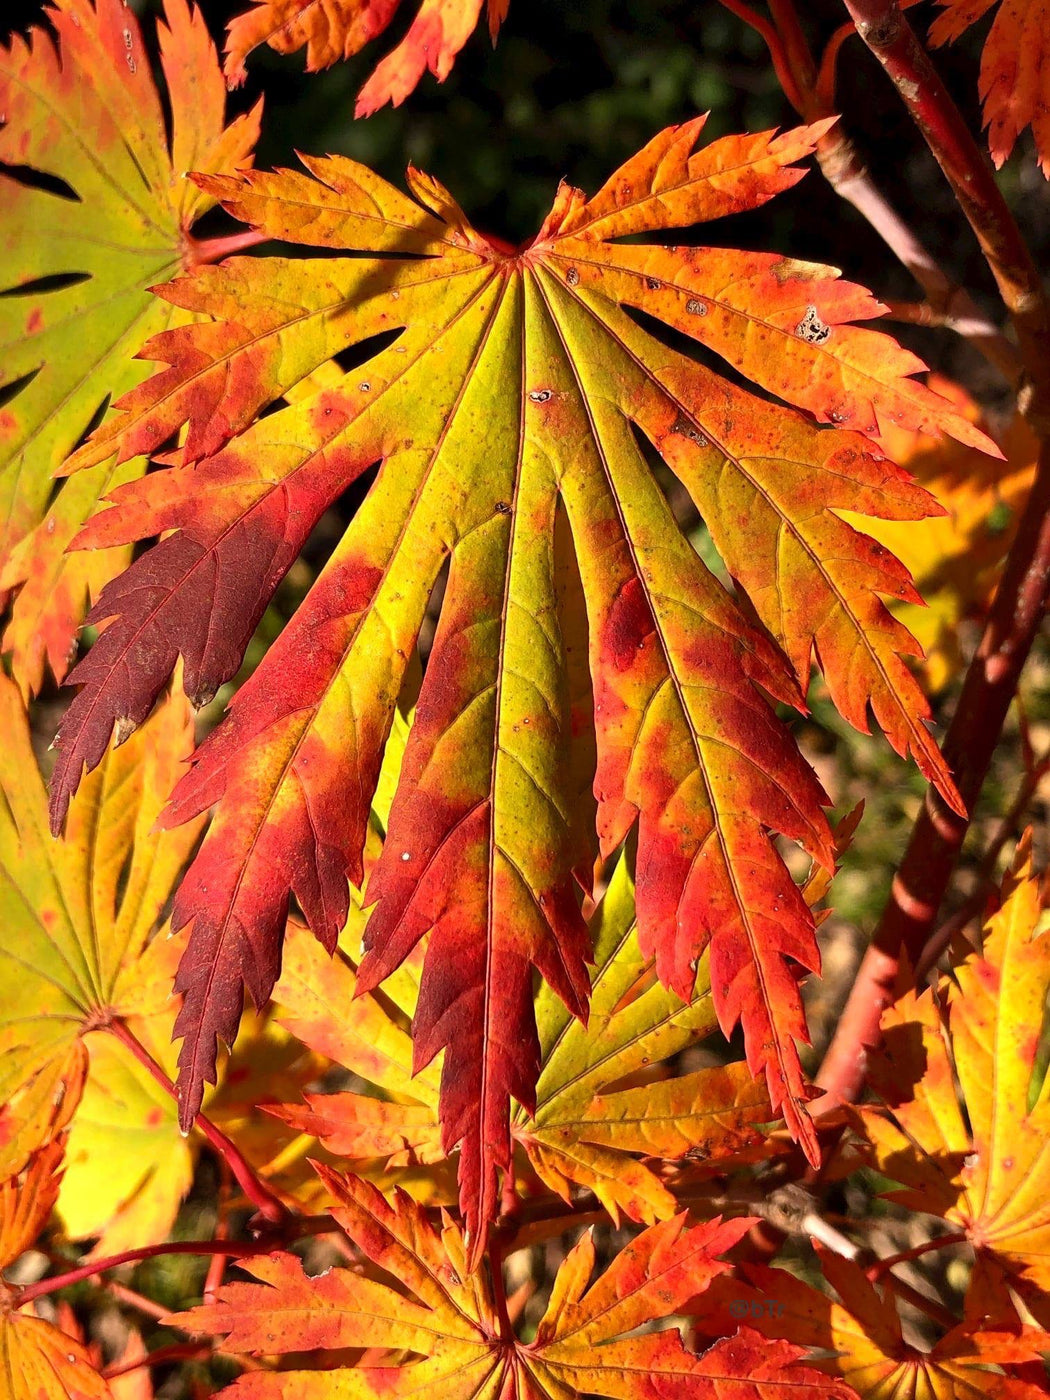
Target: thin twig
269	1206
889	36
134	1256
809	89
781	65
883	1266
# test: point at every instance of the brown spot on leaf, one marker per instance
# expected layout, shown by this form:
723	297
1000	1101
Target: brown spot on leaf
688	429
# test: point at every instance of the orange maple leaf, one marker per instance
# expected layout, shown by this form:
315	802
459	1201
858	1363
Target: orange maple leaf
505	399
587	1343
1015	69
335	29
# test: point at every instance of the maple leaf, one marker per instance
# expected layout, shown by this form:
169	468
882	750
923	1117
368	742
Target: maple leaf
75	919
37	1361
954	560
1015	69
335	29
76	270
986	1167
507	394
451	1321
863	1329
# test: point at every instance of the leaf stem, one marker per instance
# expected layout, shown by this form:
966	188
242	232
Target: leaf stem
131	1299
796	45
934	1310
212	250
256	1190
178	1351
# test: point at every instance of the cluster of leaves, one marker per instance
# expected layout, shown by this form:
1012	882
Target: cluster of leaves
587	775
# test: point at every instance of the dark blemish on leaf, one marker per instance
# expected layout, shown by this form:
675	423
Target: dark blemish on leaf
540	395
653	283
695	307
811	328
364	386
572	277
503	508
687	429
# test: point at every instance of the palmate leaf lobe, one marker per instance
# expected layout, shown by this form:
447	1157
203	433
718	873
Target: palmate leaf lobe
507	401
76	918
588	1133
334	29
76	269
451	1321
984	1167
37	1361
862	1330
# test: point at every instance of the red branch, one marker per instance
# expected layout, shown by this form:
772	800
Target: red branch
894	43
882	1266
260	1195
811	91
972	737
135	1256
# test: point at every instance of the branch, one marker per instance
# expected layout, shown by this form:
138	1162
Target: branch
811	92
892	40
984	881
1021	598
260	1195
882	1266
135	1256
